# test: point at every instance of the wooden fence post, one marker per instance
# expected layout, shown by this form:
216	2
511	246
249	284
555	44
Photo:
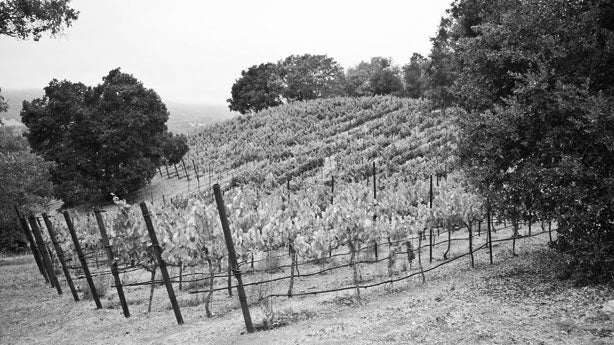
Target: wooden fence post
232	255
431	191
45	254
86	270
430	245
33	246
196	172
158	252
471	244
185	170
60	254
489	221
112	261
177	171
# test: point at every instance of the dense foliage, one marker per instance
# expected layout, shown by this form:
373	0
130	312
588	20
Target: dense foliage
377	77
23	183
31	19
3	105
307	222
537	78
307	77
259	87
295	78
24	177
104	139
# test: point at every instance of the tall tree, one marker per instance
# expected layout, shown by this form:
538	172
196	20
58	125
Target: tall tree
357	80
537	78
311	76
376	77
260	87
414	76
104	139
26	19
441	68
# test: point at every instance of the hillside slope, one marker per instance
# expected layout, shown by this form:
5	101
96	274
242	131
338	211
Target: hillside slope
321	138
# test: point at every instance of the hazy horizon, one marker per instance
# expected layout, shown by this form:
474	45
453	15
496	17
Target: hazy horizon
191	52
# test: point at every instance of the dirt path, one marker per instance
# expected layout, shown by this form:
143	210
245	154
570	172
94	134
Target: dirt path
518	300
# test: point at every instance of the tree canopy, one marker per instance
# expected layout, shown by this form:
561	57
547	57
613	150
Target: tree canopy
376	77
537	79
311	76
26	19
296	78
259	87
104	139
3	105
414	76
23	183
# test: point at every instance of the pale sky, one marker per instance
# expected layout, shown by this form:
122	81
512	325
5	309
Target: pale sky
193	51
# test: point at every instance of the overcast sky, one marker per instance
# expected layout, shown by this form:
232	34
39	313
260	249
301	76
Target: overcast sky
193	51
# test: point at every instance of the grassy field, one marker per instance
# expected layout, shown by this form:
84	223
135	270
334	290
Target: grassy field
517	300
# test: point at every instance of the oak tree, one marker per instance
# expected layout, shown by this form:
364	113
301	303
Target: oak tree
104	139
260	87
26	19
537	80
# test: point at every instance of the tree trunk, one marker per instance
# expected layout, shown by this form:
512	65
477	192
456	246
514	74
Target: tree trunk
514	235
530	221
151	290
391	256
354	265
210	293
471	244
410	253
180	275
420	258
445	255
292	265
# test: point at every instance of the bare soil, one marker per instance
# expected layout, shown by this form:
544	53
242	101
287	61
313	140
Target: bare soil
517	300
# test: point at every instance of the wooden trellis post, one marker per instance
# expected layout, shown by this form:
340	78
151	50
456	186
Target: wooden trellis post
60	254
45	254
33	246
158	252
86	270
232	255
112	262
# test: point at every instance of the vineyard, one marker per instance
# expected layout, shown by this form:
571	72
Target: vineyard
281	239
307	143
338	196
340	135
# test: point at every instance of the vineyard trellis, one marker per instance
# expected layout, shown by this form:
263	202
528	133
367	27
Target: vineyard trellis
309	224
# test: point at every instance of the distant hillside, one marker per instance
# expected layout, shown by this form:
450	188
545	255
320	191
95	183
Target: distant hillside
184	118
188	118
15	99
